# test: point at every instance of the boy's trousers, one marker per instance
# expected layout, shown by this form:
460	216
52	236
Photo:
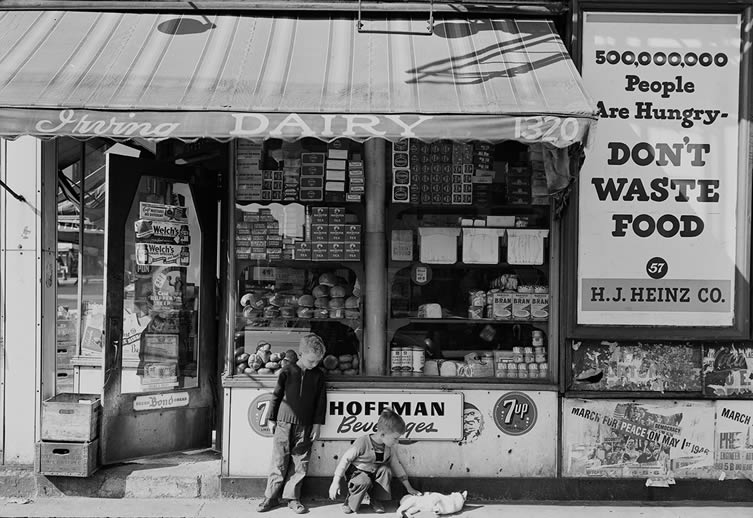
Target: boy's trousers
362	482
291	445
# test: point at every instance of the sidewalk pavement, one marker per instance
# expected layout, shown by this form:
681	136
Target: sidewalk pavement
73	507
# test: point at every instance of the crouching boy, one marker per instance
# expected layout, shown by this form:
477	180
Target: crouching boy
369	464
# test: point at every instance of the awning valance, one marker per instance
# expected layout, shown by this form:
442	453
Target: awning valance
150	75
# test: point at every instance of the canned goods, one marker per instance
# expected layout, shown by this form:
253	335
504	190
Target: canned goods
418	358
533	370
527	350
517	357
476	312
540	358
517	349
406	361
396	360
539	350
477	298
529	358
537	338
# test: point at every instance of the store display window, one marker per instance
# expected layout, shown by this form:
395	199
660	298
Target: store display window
297	239
469	264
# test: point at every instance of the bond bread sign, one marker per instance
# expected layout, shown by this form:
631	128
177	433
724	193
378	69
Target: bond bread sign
659	186
427	415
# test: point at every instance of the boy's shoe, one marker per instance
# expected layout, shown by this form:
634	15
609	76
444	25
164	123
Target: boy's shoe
267	504
377	506
346	508
297	507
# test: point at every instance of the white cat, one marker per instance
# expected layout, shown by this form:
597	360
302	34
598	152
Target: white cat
436	503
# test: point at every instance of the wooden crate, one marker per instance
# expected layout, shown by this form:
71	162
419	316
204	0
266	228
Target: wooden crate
67	459
71	417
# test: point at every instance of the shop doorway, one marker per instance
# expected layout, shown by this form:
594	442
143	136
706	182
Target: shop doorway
159	341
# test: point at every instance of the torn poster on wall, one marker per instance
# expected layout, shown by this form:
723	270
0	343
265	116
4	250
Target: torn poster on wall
636	366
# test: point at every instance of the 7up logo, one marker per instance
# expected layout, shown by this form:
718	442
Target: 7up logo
515	413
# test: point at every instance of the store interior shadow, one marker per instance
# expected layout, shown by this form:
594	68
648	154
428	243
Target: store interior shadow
111	481
493	61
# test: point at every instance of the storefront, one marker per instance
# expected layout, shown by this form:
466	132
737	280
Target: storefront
391	190
410	191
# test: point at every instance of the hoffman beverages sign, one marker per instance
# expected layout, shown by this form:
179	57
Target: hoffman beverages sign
427	415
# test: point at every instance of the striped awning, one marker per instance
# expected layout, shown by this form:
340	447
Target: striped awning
151	75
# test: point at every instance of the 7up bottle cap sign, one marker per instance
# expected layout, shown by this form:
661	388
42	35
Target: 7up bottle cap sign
515	413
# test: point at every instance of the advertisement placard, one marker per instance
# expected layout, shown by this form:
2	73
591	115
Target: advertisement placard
427	415
638	439
658	189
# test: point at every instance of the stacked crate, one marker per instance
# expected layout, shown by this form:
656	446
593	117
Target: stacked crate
65	348
70	427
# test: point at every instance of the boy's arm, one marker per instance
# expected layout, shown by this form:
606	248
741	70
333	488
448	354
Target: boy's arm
320	409
356	450
399	472
277	395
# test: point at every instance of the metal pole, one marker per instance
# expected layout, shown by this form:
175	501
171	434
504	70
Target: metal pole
375	262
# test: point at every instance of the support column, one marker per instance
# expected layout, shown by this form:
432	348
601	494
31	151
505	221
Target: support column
374	286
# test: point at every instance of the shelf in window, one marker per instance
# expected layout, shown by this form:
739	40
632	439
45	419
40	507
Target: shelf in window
292	263
451	320
280	323
405	264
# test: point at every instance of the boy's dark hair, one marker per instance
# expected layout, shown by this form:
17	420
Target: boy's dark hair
390	422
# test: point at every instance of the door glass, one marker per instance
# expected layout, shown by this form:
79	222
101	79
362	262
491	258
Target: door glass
161	296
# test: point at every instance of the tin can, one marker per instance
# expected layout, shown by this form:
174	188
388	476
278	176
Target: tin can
476	312
418	358
533	370
537	338
396	360
406	361
527	350
512	370
539	350
543	370
540	358
529	358
477	298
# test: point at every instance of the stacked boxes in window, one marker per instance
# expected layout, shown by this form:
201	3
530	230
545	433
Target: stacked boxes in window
248	176
539	188
257	236
312	177
519	183
291	179
334	236
356	181
69	445
440	173
483	174
401	172
338	154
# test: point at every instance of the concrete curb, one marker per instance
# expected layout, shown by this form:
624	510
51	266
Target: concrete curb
228	508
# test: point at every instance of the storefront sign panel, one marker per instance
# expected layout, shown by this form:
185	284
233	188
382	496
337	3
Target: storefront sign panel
658	189
482	451
160	401
428	415
638	439
559	131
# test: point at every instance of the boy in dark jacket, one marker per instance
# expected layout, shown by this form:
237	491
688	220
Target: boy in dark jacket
295	416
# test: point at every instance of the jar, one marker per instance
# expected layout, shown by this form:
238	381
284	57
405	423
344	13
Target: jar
418	358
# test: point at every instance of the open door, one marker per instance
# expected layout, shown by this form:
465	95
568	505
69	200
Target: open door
160	331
